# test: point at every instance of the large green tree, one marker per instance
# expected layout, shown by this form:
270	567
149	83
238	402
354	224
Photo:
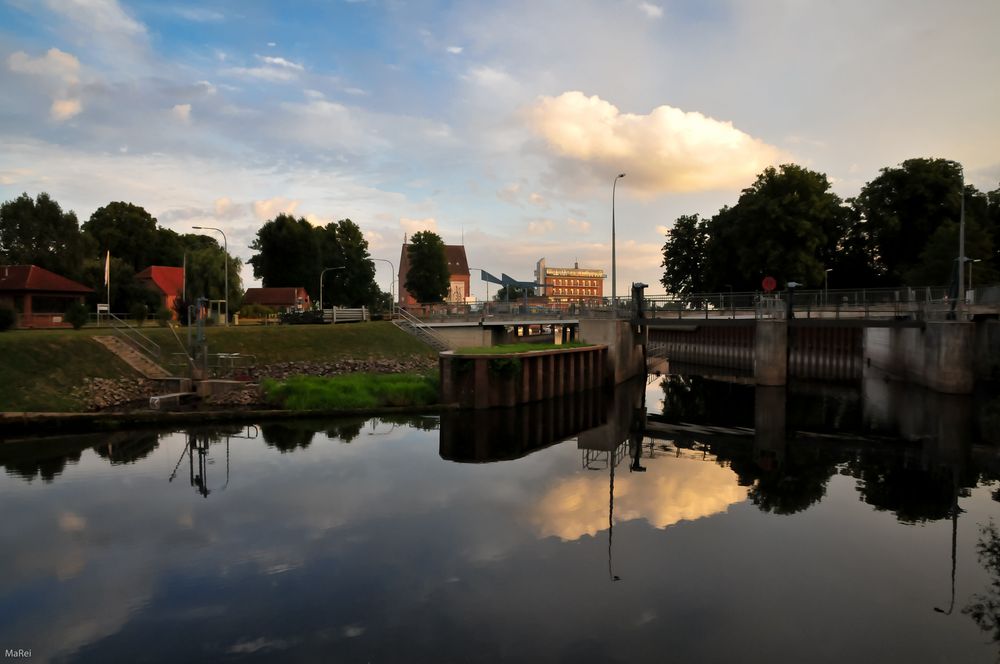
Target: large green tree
128	231
788	224
38	232
684	255
428	277
343	245
288	254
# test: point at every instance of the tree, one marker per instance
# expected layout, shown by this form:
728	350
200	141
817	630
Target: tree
38	232
343	245
127	231
788	224
903	207
684	255
428	277
512	293
206	275
288	254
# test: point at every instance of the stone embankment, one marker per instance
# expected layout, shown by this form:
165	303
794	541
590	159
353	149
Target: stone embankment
123	393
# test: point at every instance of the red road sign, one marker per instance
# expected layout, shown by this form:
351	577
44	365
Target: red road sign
769	284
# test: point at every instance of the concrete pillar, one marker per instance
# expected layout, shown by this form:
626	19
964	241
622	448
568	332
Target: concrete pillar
949	353
770	357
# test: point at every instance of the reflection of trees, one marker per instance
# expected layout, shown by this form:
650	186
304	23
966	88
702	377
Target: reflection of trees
287	437
346	430
699	400
913	494
793	487
127	447
48	467
984	608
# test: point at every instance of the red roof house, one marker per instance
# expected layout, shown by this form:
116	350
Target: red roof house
458	271
39	297
283	299
168	282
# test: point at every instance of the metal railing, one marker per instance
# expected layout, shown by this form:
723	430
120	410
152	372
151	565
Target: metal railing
134	338
410	323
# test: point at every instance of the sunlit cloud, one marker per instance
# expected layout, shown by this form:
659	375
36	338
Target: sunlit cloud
64	109
97	15
668	150
541	226
411	226
272	207
578	225
182	112
54	63
687	490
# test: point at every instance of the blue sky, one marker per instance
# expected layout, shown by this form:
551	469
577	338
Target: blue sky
502	121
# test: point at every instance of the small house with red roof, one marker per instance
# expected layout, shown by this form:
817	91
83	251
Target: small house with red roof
280	299
167	282
39	298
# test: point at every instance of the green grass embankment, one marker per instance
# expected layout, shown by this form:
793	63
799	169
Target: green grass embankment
352	391
39	368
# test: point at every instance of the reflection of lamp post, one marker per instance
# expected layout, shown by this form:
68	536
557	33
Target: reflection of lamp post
392	283
225	250
614	270
339	267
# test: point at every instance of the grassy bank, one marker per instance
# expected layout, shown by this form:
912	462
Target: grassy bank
39	368
518	348
352	391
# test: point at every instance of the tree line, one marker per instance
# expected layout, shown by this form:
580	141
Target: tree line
36	231
900	230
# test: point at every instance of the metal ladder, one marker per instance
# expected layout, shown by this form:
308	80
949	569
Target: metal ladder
412	325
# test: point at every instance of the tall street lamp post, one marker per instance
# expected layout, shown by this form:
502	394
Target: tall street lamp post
614	266
971	261
961	246
392	282
225	250
325	270
826	285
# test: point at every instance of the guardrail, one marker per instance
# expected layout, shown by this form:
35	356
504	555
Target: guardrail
133	337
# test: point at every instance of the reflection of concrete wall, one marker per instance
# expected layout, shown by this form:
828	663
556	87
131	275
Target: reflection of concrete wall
939	357
988	349
625	413
625	347
915	413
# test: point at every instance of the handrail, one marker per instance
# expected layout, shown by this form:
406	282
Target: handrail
421	326
142	343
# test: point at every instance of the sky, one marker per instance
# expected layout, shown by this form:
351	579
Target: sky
500	125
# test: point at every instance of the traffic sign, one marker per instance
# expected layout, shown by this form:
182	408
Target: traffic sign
769	284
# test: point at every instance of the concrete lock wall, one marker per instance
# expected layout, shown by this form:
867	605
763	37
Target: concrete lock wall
941	356
466	336
770	357
625	356
509	379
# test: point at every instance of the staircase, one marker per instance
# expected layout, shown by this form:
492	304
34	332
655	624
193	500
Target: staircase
133	357
412	325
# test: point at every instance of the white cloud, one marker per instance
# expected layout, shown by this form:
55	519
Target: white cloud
357	92
454	50
651	10
272	44
198	15
509	193
411	226
274	69
538	200
272	207
182	112
314	94
97	15
55	63
64	109
541	226
662	230
668	150
280	62
578	225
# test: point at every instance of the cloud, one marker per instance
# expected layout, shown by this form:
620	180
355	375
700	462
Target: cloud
454	50
541	226
509	193
55	63
538	200
272	207
198	15
64	109
97	15
274	69
280	62
651	10
182	112
411	226
578	225
662	230
668	150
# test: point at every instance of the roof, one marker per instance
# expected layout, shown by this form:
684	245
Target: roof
268	296
34	278
170	280
454	256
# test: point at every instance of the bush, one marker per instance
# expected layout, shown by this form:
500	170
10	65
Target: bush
76	315
255	311
353	391
311	317
139	313
164	316
7	318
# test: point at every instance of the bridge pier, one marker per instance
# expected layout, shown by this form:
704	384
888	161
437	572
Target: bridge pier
626	346
770	358
941	356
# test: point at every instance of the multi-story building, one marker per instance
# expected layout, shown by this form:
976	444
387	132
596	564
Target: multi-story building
564	285
458	274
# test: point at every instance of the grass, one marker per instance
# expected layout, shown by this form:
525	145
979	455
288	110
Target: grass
353	391
38	368
518	348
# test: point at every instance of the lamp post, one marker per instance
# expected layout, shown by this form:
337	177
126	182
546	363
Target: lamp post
392	282
826	285
325	270
961	245
225	250
614	267
970	262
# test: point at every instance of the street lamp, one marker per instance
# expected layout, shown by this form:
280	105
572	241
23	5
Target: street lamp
392	283
614	270
225	250
339	267
971	261
826	285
